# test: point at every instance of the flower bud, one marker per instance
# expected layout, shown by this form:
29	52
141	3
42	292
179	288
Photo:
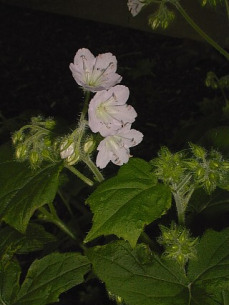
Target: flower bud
46	154
200	173
17	137
34	159
21	152
47	142
50	124
198	151
225	165
162	18
66	149
74	158
209	186
89	146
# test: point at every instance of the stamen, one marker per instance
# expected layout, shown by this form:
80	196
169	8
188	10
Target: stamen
102	71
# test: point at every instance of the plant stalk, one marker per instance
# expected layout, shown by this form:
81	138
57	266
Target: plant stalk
79	175
87	160
211	41
180	209
55	220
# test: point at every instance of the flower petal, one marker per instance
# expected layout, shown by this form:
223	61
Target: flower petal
115	148
135	6
108	111
95	73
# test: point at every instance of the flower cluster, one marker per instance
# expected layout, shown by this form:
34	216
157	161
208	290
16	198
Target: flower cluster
108	113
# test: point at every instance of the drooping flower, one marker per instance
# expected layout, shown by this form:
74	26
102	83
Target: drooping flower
135	6
95	73
115	148
109	112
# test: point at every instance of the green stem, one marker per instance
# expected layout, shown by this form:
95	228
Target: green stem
65	202
79	175
35	127
85	106
227	8
55	220
52	210
87	160
198	29
180	208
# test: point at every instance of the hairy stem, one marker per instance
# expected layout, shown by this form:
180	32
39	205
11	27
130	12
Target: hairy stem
79	175
55	220
65	202
98	175
85	106
180	208
212	42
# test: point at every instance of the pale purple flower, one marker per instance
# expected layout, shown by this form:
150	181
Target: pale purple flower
135	6
95	73
109	112
115	148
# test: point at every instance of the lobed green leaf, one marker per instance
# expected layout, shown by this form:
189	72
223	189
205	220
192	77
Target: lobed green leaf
210	272
138	276
50	276
34	239
23	191
124	204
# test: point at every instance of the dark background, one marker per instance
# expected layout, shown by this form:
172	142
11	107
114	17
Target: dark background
165	75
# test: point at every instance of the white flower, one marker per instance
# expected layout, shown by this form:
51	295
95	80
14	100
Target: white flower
95	73
135	6
115	148
109	112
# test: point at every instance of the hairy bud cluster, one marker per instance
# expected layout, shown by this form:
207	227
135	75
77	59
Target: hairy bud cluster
161	18
169	167
33	142
178	243
209	169
202	169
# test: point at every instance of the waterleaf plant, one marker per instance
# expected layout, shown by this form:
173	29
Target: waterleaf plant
132	229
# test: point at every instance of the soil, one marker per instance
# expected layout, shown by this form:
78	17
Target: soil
166	78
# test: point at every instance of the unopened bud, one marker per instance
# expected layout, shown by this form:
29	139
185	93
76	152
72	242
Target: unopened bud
47	142
73	158
21	152
89	146
66	149
225	165
209	186
200	172
46	154
198	151
34	159
50	124
17	137
214	164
